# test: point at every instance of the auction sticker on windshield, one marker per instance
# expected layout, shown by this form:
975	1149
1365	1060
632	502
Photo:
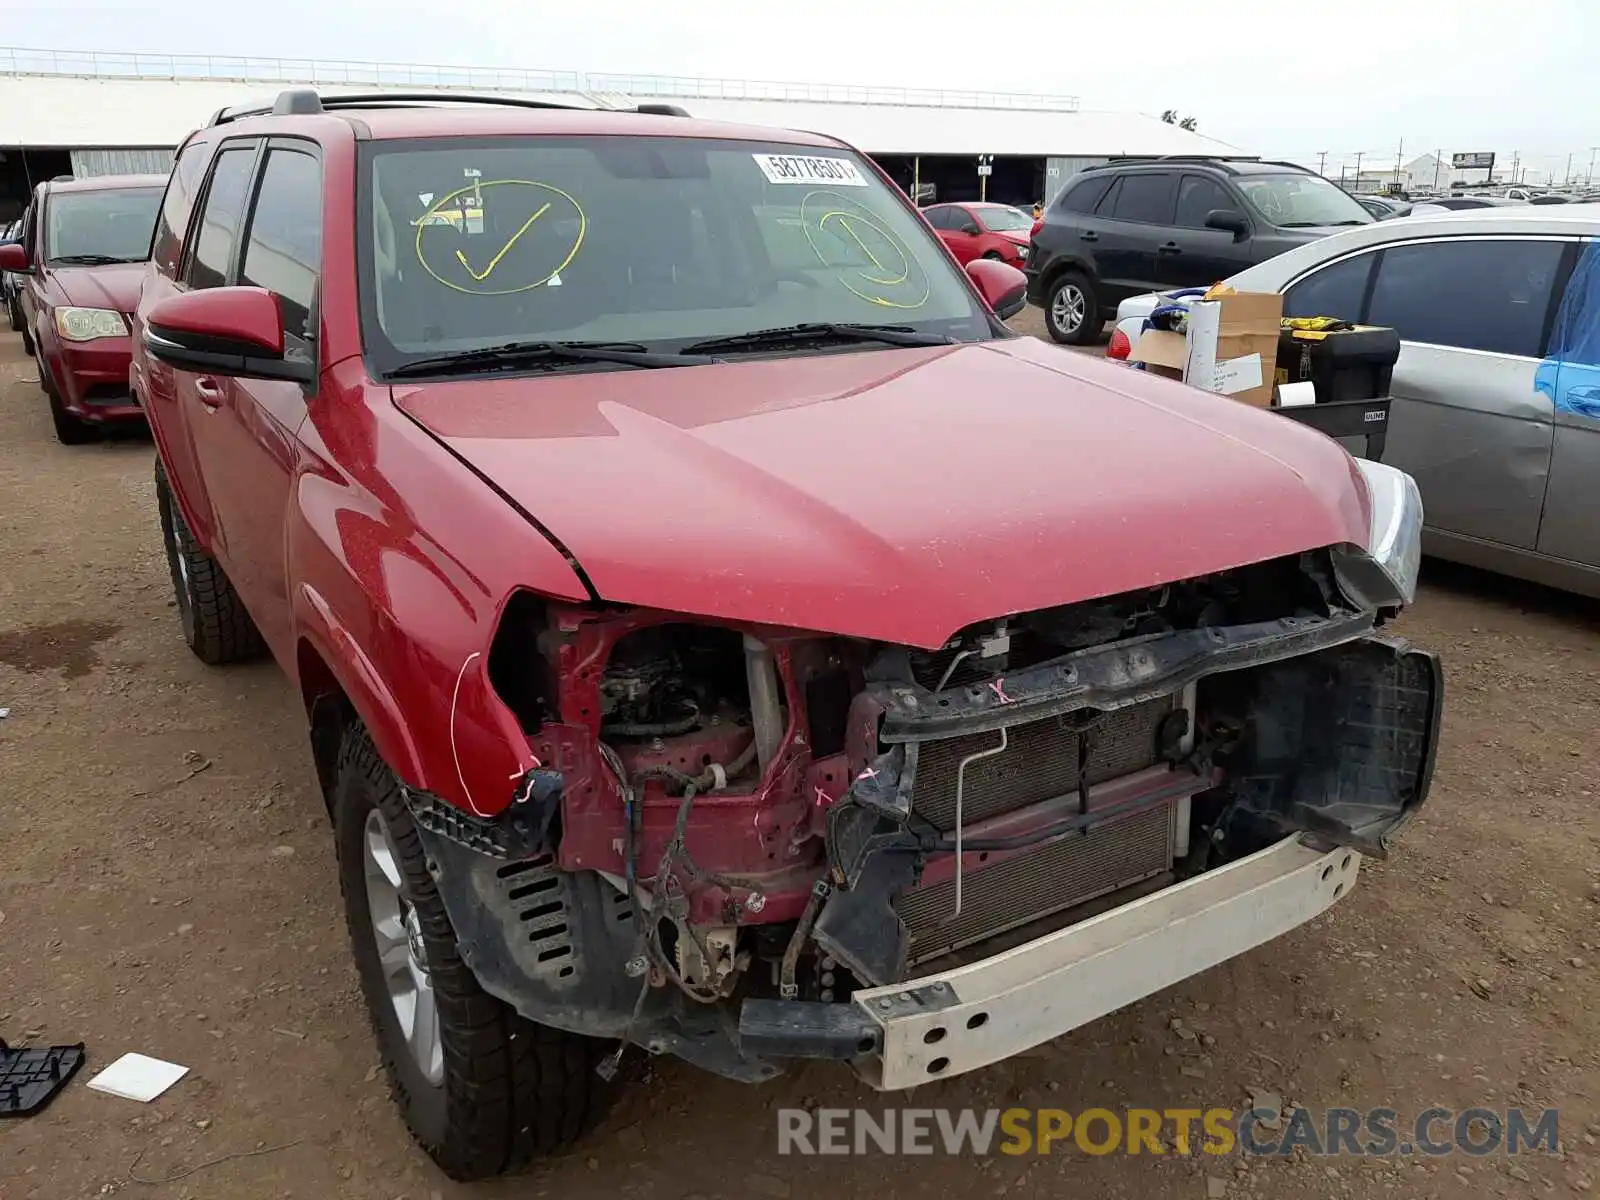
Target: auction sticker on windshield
796	168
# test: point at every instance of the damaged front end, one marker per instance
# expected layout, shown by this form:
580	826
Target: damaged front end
736	835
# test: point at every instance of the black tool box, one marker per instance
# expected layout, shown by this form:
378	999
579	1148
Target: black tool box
1351	371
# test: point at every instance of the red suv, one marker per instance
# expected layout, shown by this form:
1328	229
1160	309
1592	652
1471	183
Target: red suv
718	633
80	258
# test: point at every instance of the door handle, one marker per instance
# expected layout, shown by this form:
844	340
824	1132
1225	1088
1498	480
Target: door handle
1169	248
1089	237
209	391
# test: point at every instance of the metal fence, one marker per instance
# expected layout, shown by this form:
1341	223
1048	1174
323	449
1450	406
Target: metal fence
100	64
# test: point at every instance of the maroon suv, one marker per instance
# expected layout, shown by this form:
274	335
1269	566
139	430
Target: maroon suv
718	633
81	258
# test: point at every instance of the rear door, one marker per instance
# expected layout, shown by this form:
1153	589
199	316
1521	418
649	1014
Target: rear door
941	217
1133	221
1569	529
1468	422
209	260
1197	256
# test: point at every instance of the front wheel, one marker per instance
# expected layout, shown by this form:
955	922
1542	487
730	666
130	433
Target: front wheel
482	1090
70	431
1072	311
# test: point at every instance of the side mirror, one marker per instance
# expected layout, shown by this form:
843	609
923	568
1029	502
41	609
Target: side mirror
971	227
1003	288
224	331
1228	220
14	257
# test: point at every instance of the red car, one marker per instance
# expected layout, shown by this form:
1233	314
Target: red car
973	231
80	260
718	633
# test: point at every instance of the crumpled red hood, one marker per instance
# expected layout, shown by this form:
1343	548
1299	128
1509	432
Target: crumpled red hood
895	494
115	285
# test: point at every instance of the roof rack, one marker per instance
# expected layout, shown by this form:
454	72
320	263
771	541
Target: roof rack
1224	159
308	101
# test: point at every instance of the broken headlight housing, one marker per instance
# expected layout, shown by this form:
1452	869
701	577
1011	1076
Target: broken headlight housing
1384	573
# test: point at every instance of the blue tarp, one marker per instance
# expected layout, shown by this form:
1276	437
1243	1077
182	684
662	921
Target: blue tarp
1570	373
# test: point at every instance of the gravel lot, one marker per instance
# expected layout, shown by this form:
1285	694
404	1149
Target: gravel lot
167	886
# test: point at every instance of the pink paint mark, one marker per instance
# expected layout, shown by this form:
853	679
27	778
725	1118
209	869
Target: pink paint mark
998	687
822	797
869	773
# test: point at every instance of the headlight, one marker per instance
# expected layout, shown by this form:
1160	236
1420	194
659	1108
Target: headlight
86	324
1022	252
1386	573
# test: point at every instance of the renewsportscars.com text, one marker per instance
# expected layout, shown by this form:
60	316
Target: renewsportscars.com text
1378	1132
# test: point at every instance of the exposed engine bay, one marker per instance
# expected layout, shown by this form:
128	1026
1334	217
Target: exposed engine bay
737	815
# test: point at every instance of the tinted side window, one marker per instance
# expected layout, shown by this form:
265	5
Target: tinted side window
1086	193
283	252
176	205
1108	202
1147	198
1197	196
1488	295
220	218
1335	291
939	217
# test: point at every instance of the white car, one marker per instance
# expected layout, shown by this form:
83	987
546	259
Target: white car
1496	395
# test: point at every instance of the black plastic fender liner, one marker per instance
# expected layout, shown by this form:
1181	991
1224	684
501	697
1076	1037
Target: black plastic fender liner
555	946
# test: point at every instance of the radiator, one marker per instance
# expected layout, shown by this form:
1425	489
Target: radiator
1043	760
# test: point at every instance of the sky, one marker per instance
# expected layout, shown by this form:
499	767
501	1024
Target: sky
1274	78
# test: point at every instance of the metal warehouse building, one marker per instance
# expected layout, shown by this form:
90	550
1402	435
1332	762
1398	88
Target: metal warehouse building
89	113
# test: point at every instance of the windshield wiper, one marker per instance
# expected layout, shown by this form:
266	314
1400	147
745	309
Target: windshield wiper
512	354
788	335
92	260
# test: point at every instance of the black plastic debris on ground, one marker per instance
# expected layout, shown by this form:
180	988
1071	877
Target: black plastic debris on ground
30	1079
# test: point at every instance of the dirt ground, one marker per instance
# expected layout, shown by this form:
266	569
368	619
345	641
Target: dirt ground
167	886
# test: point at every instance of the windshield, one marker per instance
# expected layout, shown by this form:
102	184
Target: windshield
1004	220
655	241
1297	201
115	223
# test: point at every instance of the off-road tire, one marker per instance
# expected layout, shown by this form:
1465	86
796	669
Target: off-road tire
70	431
1087	329
512	1091
215	624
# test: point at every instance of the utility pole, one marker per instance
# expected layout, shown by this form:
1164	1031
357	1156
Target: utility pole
1322	161
1589	182
1568	180
985	169
1359	154
1399	153
1438	162
1516	157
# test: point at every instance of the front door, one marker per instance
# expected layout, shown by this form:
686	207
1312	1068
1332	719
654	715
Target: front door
1569	529
1468	422
1195	256
246	449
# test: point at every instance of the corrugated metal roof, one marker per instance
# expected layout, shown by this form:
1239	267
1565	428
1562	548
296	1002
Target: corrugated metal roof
71	111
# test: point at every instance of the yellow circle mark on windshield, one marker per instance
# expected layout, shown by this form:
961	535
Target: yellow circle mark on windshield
889	282
460	217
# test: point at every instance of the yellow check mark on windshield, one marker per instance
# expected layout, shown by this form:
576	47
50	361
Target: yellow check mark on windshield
495	261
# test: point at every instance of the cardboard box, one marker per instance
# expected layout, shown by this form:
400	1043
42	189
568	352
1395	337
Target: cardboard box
1233	345
1162	352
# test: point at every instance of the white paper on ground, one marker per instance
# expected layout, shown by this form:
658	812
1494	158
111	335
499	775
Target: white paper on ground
137	1077
1297	395
1237	375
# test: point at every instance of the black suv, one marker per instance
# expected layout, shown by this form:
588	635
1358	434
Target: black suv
1140	225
